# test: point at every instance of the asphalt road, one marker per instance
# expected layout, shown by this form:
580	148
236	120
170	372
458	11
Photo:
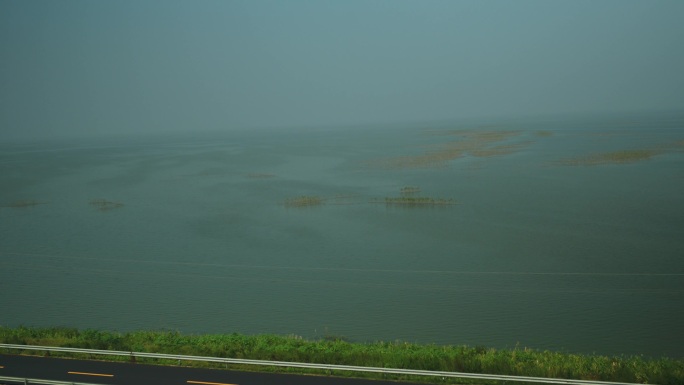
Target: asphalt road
102	372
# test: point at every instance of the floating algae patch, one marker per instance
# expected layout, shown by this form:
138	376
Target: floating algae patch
504	149
428	160
24	204
409	190
625	156
314	200
343	199
613	157
304	201
407	197
472	142
415	201
488	136
258	175
105	205
675	146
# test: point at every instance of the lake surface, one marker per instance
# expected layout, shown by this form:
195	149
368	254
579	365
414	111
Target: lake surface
568	235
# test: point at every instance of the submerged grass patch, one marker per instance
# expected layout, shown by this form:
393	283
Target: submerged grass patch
416	201
479	143
519	362
409	190
503	149
24	204
105	205
625	156
613	157
259	175
304	201
408	197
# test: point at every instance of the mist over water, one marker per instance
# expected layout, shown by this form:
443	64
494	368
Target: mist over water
567	234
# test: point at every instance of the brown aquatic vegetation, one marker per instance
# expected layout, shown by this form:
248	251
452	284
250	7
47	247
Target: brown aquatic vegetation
313	200
24	204
428	160
409	190
343	199
613	157
415	201
676	145
504	149
257	175
105	205
304	201
472	142
624	156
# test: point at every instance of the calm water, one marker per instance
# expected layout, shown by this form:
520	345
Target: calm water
548	248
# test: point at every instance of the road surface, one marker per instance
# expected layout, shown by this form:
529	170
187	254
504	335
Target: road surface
103	372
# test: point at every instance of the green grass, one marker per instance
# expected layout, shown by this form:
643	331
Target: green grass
520	362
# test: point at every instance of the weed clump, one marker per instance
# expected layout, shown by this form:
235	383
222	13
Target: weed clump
24	204
409	190
304	201
613	157
407	197
259	175
418	201
478	143
105	205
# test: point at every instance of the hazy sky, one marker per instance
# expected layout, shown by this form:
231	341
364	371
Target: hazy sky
70	67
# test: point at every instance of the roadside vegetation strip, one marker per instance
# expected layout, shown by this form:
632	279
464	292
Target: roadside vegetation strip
329	367
336	351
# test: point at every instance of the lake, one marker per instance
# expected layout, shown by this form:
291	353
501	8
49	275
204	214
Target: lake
563	234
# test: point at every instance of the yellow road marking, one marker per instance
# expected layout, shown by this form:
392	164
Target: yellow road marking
207	383
92	374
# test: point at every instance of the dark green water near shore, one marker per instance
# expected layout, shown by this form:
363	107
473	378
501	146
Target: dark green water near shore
567	235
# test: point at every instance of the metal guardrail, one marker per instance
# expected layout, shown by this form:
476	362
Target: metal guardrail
241	361
38	381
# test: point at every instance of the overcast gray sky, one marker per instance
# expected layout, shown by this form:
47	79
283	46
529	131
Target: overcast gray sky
70	67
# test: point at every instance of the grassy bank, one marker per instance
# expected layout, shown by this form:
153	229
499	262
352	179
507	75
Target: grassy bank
522	362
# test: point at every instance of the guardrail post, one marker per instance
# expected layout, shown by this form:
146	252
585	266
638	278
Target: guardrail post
132	358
